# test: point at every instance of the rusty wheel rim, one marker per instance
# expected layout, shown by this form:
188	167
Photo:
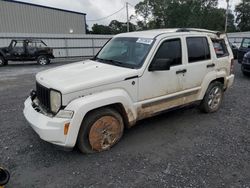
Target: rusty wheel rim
104	133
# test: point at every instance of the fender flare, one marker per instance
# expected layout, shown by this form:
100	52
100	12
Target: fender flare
83	105
210	77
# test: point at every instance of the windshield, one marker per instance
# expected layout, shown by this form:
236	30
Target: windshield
245	43
125	51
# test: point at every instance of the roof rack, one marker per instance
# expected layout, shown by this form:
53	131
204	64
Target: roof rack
218	33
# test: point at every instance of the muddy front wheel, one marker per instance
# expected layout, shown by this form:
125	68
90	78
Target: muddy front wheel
100	131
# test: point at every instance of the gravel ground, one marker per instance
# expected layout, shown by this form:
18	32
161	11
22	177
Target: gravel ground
183	148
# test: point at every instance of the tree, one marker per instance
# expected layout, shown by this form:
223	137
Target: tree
243	15
120	27
144	10
182	13
101	29
115	27
231	23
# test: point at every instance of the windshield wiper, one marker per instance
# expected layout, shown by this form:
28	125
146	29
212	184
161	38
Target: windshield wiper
115	62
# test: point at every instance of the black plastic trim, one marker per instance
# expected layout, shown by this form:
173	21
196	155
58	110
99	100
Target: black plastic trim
132	77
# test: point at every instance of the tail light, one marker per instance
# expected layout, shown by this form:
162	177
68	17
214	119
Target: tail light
232	66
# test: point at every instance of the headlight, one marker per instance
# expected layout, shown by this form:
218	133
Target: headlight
55	101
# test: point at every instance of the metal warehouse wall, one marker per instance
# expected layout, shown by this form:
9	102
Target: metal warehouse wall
16	17
65	46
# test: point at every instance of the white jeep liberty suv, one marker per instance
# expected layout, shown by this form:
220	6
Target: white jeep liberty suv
134	76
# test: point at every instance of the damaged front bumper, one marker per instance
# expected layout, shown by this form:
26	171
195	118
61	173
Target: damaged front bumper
49	128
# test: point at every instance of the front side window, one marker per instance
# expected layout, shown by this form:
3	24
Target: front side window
220	48
125	51
18	44
246	43
170	50
198	49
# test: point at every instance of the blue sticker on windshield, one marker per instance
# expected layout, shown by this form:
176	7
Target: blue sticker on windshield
144	41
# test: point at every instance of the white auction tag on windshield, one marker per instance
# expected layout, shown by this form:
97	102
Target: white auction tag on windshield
144	41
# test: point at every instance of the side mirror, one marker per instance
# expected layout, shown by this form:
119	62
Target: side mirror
248	46
160	65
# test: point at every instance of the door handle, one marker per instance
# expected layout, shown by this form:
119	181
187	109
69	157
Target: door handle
181	71
210	65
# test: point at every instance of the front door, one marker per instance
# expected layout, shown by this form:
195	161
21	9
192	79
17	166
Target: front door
159	90
17	50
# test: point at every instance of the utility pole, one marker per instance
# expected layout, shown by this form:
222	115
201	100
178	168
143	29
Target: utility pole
127	17
226	15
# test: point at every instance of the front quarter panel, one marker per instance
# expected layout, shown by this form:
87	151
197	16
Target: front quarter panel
83	105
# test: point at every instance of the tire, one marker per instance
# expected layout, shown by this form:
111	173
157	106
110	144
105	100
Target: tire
2	61
43	60
95	132
213	98
4	177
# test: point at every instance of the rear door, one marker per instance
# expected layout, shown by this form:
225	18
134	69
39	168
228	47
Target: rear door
31	49
199	62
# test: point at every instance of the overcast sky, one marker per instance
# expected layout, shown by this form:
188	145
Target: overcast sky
96	9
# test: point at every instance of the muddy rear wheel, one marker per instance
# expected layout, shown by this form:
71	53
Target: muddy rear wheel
100	131
213	98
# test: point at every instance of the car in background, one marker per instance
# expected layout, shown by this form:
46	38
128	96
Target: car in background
234	50
245	64
244	48
26	50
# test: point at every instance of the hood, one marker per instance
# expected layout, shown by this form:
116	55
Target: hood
83	75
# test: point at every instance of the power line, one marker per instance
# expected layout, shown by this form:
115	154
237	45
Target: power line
103	18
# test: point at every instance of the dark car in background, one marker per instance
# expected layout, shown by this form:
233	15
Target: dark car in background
244	48
234	50
245	64
26	50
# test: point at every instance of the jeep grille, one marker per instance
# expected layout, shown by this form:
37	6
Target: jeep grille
43	95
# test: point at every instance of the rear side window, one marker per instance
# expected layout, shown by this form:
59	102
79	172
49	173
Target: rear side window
170	49
220	48
198	49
